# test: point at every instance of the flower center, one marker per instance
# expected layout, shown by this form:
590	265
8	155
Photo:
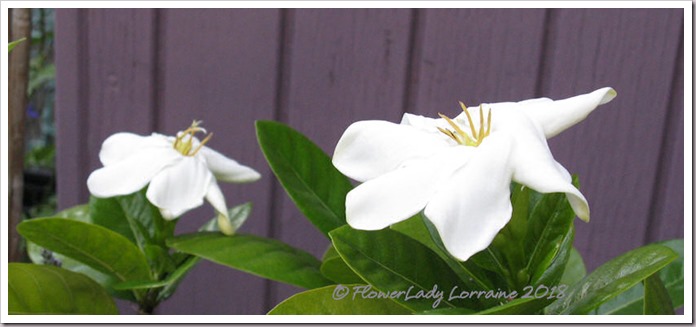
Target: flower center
184	140
460	136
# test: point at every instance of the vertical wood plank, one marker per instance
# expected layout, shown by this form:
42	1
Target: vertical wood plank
667	220
342	66
476	55
615	151
220	66
105	83
69	54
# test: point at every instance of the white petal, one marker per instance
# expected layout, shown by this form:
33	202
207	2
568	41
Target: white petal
535	167
556	116
474	205
121	145
425	124
402	193
216	198
131	173
226	169
369	149
180	187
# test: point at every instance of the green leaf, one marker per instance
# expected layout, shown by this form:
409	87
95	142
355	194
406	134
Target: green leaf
337	300
237	215
550	219
13	44
176	277
612	278
306	173
554	272
108	213
519	306
390	261
263	257
631	301
575	269
105	251
40	255
471	276
657	301
39	289
334	268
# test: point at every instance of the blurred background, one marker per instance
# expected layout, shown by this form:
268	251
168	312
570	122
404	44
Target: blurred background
94	72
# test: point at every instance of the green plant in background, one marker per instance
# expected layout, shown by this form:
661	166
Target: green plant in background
40	151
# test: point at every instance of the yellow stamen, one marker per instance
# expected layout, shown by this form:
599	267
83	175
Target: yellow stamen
488	128
471	122
184	140
480	134
205	140
453	124
463	138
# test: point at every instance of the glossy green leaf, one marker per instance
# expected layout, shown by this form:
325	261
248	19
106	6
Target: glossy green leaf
575	269
334	268
237	216
176	277
40	255
13	44
554	271
337	300
306	173
518	306
657	301
263	257
612	278
104	250
40	289
470	275
550	219
390	261
630	302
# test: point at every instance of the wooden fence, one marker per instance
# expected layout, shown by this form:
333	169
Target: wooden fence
319	70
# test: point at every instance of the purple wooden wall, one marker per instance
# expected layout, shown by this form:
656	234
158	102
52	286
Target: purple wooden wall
320	70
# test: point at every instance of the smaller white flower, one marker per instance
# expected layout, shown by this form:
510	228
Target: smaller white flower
180	171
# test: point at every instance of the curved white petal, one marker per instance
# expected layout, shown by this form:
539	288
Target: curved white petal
369	149
226	169
534	166
217	200
425	124
180	187
400	194
471	208
556	116
121	145
131	173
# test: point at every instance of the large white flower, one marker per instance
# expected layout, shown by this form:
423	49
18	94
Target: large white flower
180	170
459	170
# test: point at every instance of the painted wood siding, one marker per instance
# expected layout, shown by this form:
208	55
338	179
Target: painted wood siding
319	70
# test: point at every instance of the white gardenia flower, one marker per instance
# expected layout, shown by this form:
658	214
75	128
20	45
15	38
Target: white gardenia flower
180	171
459	170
